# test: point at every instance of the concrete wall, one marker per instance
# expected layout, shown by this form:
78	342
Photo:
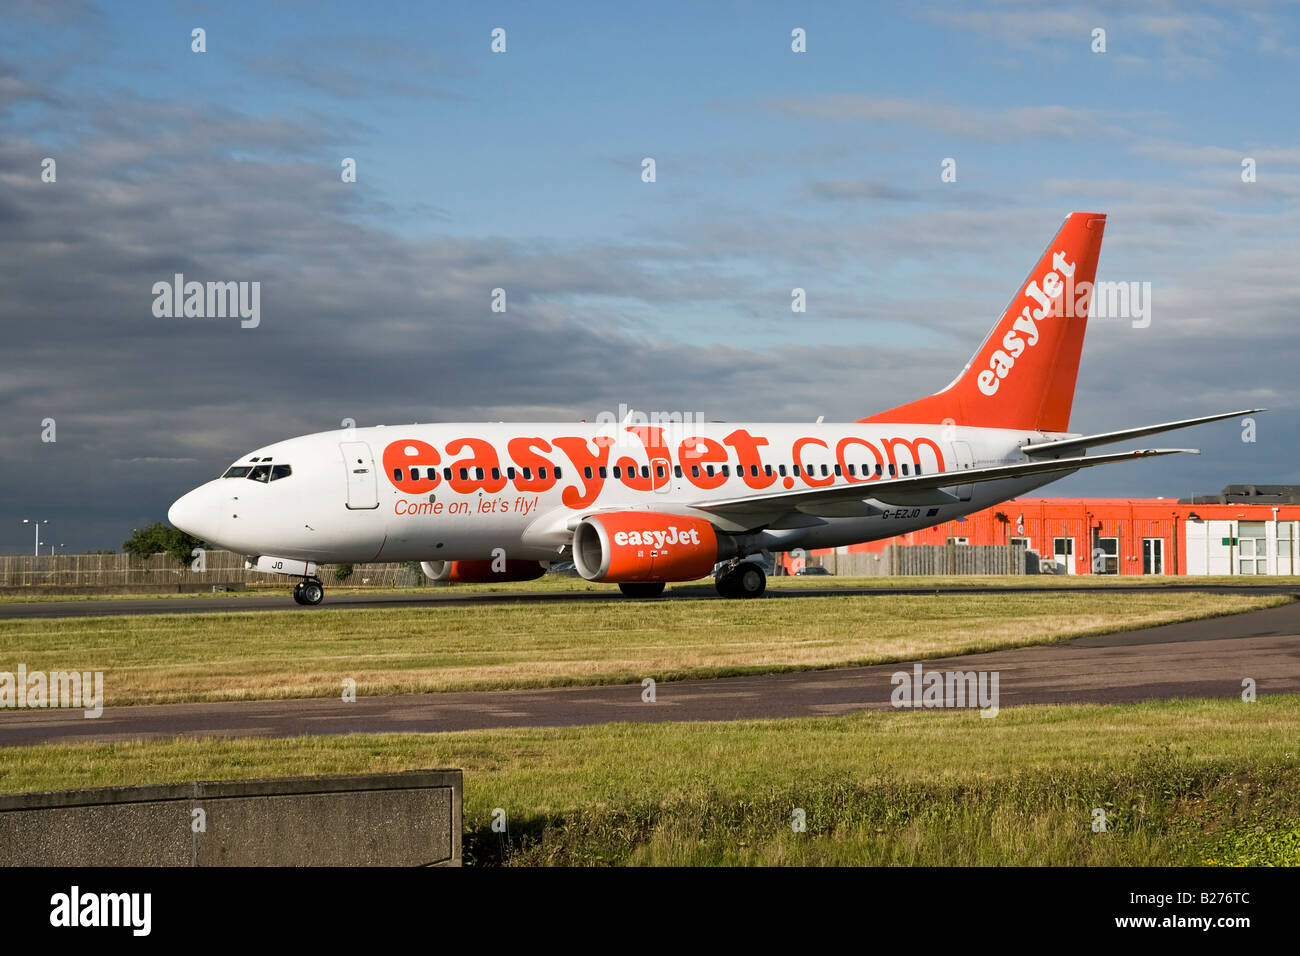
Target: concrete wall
399	819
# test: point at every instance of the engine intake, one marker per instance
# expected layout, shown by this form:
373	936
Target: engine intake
632	546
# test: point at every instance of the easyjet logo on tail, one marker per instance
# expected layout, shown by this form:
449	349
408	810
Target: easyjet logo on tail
1002	361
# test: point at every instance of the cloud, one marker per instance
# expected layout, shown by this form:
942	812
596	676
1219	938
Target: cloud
1012	123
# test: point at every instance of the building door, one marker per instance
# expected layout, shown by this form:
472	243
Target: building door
1252	548
1153	555
1063	553
363	489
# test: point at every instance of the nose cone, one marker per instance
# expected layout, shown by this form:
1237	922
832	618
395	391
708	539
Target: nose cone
188	514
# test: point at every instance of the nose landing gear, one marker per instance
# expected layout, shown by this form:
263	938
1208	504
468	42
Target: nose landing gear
309	591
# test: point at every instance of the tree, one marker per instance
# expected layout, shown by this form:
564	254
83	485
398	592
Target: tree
159	537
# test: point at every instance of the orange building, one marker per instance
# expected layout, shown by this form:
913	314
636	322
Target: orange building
1246	529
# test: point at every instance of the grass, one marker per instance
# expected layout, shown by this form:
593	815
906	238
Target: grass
278	654
1181	783
566	583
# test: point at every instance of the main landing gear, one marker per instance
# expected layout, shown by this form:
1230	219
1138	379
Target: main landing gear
744	579
309	591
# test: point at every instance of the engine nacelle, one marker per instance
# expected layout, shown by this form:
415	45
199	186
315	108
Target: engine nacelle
635	546
480	572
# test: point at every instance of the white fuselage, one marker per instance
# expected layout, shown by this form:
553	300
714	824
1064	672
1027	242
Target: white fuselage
351	496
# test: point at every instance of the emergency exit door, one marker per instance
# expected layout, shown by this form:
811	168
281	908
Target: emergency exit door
363	487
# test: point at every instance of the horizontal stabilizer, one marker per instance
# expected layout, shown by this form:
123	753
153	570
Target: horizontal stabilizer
1066	445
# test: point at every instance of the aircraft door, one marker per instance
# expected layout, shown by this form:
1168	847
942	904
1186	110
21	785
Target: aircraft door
359	464
964	459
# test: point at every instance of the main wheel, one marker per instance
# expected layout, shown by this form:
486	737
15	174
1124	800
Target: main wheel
297	593
744	580
313	592
639	589
751	580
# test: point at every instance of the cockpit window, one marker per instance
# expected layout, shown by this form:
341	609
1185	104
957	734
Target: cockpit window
236	471
260	473
280	471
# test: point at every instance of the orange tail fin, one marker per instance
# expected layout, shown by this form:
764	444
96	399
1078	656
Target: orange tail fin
1023	375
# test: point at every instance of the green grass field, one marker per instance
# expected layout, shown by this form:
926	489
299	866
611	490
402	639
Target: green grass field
277	654
1181	783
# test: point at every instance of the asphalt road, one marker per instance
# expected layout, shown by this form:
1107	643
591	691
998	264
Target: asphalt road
1208	658
434	597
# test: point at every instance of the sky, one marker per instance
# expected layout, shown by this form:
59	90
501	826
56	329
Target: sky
523	170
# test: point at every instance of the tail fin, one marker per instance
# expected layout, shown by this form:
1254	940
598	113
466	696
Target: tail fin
1023	375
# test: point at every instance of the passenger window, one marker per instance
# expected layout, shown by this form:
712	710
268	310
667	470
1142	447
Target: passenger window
496	474
603	472
677	470
781	470
618	472
280	471
823	471
726	471
446	473
708	470
891	471
878	471
838	473
464	474
528	474
659	471
558	476
695	471
397	475
852	474
510	472
767	469
415	474
905	468
917	469
586	471
645	471
796	470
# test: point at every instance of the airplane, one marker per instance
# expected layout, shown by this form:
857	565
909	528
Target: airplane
643	503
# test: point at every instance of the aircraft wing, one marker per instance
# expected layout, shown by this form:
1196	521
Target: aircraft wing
1067	445
916	489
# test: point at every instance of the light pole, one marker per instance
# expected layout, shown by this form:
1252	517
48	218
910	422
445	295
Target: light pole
36	526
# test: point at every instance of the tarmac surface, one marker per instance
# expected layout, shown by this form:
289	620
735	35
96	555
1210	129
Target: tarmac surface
281	601
1206	658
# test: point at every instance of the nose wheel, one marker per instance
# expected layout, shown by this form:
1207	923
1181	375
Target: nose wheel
309	592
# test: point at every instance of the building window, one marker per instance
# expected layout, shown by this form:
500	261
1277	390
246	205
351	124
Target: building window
1105	557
